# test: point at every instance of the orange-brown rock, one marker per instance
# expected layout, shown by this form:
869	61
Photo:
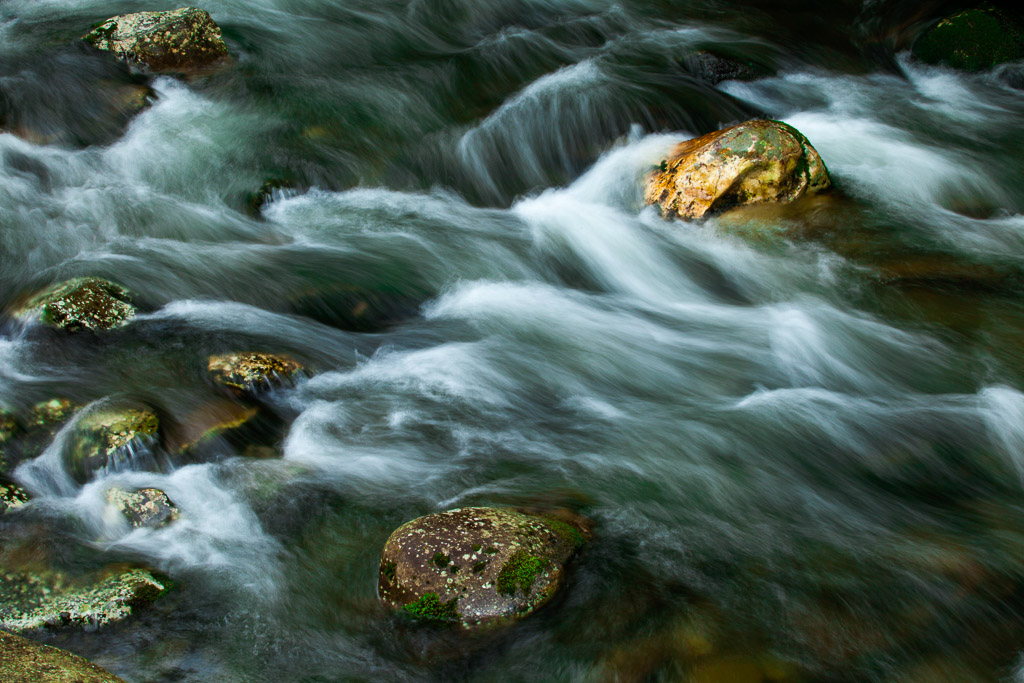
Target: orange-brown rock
754	162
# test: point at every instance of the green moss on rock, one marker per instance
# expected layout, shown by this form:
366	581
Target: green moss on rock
430	608
103	434
25	661
519	573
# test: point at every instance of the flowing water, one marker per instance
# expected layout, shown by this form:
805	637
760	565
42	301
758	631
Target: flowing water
799	432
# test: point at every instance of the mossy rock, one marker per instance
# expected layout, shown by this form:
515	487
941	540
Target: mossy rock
89	303
184	39
25	661
47	598
147	507
752	163
251	371
972	40
476	566
105	437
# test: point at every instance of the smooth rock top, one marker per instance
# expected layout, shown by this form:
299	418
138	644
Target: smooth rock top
102	434
143	508
250	370
83	303
756	161
25	661
972	40
184	39
476	566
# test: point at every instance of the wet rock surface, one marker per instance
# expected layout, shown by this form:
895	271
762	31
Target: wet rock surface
754	162
147	507
25	661
476	566
972	40
50	598
11	496
104	436
184	39
713	68
252	370
88	303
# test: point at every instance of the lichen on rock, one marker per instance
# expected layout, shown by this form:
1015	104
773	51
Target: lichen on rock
11	496
252	370
104	437
476	566
754	162
35	599
184	39
90	303
147	507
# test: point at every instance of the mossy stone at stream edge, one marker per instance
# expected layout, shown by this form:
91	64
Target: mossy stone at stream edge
89	303
476	566
972	40
25	661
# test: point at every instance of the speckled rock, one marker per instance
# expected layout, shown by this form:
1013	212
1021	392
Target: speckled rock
476	566
83	303
184	39
754	162
972	40
31	600
11	496
252	370
143	508
25	661
105	438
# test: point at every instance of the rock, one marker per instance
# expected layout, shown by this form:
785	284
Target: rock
972	40
8	428
143	508
11	496
24	661
104	440
251	370
270	191
714	69
754	162
34	599
50	415
209	421
83	303
184	39
476	566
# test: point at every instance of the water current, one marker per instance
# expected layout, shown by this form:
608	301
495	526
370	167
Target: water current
799	431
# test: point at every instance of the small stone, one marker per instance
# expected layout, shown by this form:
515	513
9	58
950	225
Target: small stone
418	575
145	507
184	39
83	303
754	162
252	370
25	661
104	438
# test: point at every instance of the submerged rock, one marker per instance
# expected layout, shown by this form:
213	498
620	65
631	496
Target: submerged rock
103	437
25	661
714	69
476	566
972	40
144	507
213	419
184	39
83	303
251	370
754	162
31	600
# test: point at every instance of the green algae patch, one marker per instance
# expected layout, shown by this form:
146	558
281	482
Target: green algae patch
520	573
429	607
971	40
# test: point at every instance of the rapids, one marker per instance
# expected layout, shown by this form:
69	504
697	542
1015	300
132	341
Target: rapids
797	469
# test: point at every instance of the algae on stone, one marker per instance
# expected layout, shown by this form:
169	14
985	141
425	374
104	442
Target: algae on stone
90	303
476	566
179	40
754	162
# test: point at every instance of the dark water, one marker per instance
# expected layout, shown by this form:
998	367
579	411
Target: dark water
798	431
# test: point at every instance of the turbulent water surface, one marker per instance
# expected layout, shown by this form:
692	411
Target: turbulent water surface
799	432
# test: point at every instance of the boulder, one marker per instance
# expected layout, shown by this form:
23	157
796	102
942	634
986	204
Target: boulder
972	40
185	39
476	566
250	371
143	508
754	162
89	303
25	661
36	599
105	439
